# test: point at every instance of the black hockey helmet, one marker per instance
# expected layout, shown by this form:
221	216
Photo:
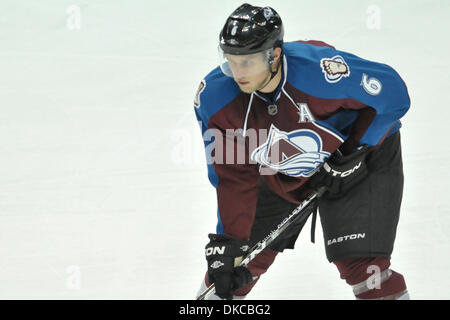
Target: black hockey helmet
251	29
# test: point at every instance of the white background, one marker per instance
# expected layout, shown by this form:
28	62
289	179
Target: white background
103	186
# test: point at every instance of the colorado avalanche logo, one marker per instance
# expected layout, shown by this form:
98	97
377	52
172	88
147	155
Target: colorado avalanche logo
297	153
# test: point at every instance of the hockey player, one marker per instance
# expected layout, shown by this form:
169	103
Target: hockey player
281	119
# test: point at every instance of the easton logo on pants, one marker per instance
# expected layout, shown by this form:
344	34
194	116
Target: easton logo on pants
345	238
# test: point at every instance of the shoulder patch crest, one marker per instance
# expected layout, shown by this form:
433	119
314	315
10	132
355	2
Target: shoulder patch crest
334	68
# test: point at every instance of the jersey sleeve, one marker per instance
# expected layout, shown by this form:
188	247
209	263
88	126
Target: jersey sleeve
384	94
234	178
328	73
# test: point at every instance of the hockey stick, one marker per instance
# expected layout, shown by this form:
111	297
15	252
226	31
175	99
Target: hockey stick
261	245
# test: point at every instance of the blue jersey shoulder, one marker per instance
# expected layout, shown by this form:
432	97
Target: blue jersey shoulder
215	92
328	73
332	74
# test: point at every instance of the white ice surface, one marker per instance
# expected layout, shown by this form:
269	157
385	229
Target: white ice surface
101	160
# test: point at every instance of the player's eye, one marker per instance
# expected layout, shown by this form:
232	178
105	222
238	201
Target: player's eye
241	64
247	63
232	63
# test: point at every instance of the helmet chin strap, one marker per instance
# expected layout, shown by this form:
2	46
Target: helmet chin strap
272	73
265	82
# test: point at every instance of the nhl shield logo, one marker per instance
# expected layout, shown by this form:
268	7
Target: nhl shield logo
272	109
334	68
297	153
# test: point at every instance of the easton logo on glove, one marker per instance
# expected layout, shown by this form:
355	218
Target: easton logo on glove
341	174
223	254
214	250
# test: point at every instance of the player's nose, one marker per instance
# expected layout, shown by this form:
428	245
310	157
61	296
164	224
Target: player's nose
239	73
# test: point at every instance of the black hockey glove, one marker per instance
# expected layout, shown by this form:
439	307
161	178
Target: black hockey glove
341	173
223	253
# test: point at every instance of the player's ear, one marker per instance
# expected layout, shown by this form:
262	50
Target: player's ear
277	52
276	57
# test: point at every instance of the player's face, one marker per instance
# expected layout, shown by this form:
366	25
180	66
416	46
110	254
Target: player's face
249	71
